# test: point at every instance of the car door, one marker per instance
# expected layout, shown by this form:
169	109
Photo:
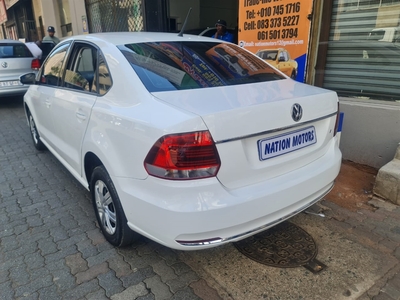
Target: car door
43	94
283	63
72	107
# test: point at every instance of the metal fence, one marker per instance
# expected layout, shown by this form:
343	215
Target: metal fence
114	15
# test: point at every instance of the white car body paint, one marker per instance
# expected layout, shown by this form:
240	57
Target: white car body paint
246	196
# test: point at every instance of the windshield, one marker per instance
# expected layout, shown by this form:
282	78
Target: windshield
270	55
376	35
168	66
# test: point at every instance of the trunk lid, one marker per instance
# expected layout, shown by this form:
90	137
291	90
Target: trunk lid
250	124
12	68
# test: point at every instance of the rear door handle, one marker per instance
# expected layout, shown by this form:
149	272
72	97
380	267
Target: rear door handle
47	103
80	115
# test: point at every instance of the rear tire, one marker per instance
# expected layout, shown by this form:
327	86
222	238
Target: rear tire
35	135
108	210
294	75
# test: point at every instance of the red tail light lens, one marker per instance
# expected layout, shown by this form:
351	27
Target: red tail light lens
35	65
183	156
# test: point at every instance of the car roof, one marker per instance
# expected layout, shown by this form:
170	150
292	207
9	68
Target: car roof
121	38
11	41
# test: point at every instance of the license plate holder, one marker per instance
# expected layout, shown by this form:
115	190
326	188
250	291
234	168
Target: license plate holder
10	83
286	143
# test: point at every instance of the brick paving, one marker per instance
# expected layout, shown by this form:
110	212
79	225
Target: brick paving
51	248
379	230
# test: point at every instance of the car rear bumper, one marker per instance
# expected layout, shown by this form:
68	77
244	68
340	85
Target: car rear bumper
192	215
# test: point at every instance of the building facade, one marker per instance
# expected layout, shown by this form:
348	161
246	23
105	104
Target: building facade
16	19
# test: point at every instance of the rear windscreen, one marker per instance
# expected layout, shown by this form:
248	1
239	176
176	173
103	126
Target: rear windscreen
8	50
168	66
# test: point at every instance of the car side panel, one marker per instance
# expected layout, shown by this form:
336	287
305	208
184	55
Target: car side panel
283	67
39	100
122	137
71	113
127	121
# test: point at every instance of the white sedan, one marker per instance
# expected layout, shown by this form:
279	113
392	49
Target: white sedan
176	146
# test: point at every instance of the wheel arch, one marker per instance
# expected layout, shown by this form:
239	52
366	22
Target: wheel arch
27	111
91	161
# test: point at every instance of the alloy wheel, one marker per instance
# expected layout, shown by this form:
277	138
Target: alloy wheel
105	207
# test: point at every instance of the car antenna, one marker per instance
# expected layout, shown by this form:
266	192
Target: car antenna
184	23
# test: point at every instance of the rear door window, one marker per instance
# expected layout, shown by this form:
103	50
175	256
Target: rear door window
103	82
9	50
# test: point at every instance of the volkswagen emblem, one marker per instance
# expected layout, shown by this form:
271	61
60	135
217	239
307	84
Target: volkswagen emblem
297	112
4	64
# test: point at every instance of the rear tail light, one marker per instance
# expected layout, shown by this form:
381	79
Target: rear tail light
337	120
35	65
183	156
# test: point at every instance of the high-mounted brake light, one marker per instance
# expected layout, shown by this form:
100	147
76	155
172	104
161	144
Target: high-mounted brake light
183	156
35	65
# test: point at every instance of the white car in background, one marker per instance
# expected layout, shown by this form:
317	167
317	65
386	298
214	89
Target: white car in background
173	148
15	60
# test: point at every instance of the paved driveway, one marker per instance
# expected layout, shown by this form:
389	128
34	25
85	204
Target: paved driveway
51	248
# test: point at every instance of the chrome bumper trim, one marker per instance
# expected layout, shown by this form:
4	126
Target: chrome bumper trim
213	241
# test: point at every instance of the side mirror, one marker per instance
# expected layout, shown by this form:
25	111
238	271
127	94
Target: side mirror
29	78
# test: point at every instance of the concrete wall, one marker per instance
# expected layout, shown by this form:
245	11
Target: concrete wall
78	10
37	12
371	131
51	15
